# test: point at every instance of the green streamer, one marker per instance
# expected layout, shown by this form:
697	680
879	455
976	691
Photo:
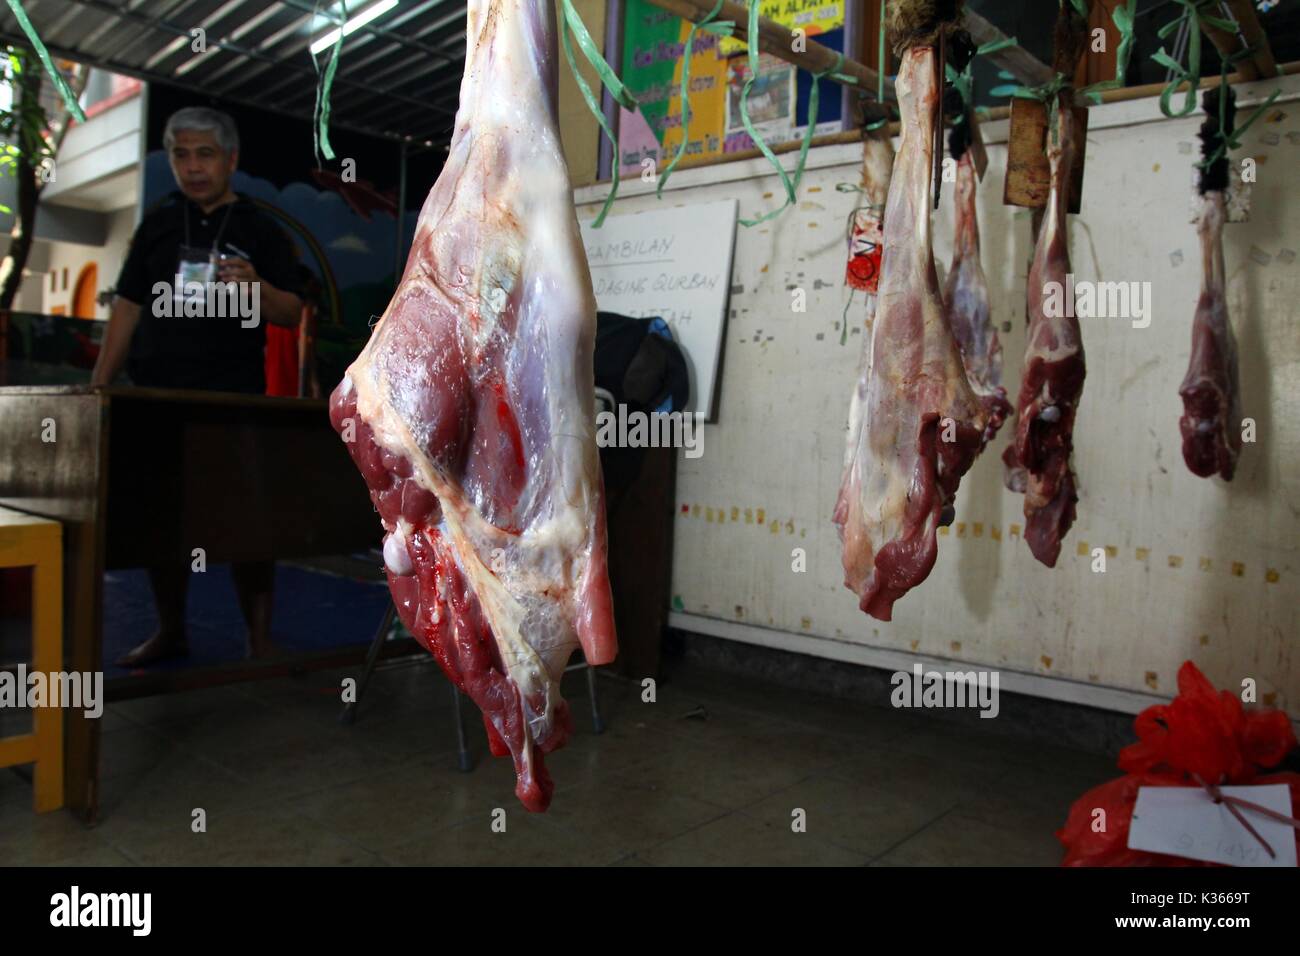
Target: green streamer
321	129
1230	141
1194	16
813	103
43	54
571	24
880	67
687	53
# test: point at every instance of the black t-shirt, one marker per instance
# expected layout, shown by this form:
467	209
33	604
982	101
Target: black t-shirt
173	351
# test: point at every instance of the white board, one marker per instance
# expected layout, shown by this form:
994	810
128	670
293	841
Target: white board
675	264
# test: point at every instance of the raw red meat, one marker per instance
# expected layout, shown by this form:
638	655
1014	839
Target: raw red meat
1211	421
921	424
471	408
966	295
1054	367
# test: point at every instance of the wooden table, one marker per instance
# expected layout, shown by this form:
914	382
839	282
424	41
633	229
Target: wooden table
134	474
30	542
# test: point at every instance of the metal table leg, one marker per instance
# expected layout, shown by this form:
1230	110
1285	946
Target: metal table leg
464	763
349	714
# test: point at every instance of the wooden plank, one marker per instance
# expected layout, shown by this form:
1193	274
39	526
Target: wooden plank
17	750
47	658
1028	180
243	481
63	480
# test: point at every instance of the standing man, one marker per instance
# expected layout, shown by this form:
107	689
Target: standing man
203	233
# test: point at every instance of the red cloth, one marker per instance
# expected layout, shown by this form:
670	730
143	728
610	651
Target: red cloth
1201	732
282	360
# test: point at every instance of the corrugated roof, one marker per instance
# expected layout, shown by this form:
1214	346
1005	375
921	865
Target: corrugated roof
398	76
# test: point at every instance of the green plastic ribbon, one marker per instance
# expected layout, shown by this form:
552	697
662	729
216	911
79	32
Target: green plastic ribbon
880	67
687	53
1124	19
1229	141
790	185
1194	16
321	128
571	26
43	54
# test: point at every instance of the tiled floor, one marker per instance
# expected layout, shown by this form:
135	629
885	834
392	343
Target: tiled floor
715	771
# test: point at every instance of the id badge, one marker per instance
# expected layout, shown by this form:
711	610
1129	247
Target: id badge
195	270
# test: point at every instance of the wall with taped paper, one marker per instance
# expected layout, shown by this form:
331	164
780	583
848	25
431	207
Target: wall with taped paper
1193	568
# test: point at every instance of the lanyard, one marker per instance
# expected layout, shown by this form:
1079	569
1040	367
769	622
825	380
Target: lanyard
220	231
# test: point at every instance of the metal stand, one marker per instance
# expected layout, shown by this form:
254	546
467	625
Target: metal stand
349	714
465	762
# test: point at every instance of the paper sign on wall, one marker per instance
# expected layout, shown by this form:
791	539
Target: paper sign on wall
675	264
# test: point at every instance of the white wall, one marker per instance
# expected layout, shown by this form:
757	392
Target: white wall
72	257
1200	569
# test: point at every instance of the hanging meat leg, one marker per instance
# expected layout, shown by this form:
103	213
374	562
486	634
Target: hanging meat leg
877	168
1211	421
966	296
921	424
1054	367
470	411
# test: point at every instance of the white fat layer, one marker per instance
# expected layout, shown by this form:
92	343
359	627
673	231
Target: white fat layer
396	557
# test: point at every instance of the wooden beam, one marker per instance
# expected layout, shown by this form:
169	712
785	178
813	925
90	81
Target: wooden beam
1229	44
1243	11
1017	61
779	41
996	113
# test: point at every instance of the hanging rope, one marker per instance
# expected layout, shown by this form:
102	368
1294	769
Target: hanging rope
43	54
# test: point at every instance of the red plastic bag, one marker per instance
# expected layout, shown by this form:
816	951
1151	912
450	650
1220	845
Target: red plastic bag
1201	732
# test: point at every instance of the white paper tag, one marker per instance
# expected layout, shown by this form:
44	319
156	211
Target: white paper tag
1185	821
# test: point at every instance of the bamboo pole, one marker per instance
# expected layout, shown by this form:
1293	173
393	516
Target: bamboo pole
1243	11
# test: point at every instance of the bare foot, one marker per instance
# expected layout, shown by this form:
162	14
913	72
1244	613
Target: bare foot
161	647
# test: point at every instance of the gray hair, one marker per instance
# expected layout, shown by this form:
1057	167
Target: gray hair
204	120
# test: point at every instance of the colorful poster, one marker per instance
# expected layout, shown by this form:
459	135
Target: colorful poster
653	49
814	16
